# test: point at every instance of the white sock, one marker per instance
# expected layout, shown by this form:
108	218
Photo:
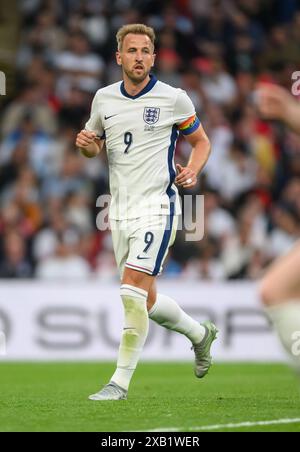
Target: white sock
167	313
136	325
286	320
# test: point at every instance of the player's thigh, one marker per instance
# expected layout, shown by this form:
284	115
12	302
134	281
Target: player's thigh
137	279
282	281
150	242
120	237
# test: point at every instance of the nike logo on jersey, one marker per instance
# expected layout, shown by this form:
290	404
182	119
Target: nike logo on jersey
140	258
111	116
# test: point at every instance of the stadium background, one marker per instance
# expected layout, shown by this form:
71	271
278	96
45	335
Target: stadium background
55	55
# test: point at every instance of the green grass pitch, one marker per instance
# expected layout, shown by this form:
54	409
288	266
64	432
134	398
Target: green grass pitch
53	397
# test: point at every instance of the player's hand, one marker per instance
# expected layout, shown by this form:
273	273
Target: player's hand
272	101
186	177
85	138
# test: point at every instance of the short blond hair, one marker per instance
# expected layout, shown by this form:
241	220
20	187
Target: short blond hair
136	29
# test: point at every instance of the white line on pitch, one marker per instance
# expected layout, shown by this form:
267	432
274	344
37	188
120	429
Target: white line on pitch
225	426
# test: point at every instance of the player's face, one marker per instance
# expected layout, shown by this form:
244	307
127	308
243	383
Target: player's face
136	57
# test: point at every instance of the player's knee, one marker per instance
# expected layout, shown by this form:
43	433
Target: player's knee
133	278
150	303
137	279
151	297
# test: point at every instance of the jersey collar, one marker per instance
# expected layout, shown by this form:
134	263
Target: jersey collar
145	90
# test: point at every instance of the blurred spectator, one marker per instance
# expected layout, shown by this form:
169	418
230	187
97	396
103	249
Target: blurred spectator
29	103
167	66
207	266
78	66
219	224
14	263
9	171
65	264
286	230
71	178
40	145
221	138
238	253
281	49
218	85
46	241
239	173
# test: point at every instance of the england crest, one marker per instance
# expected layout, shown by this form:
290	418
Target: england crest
151	115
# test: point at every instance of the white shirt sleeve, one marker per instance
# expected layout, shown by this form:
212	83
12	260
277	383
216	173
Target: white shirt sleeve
94	124
183	108
184	114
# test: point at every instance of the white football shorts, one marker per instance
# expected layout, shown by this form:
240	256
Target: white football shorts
142	243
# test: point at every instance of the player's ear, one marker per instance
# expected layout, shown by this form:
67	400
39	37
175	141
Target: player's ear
154	57
118	58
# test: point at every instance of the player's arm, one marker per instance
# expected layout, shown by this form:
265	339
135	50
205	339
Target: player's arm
91	139
89	143
274	102
198	158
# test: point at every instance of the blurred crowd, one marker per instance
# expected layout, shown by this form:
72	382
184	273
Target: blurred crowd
215	50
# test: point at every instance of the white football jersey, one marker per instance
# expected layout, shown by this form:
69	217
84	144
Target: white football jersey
141	133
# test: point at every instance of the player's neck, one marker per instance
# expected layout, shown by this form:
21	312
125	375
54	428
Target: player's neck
132	88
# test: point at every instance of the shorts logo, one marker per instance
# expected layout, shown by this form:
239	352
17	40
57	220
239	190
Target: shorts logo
151	115
141	257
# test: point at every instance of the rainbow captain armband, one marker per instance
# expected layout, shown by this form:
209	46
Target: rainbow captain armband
190	125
